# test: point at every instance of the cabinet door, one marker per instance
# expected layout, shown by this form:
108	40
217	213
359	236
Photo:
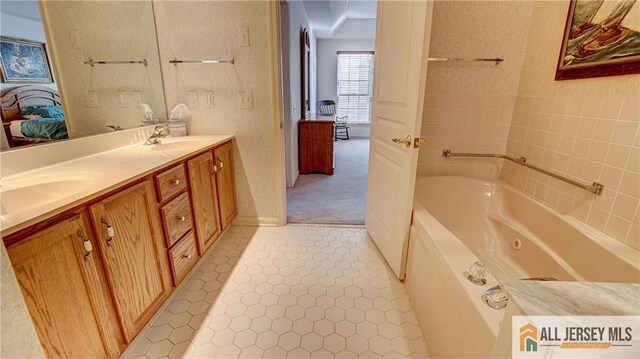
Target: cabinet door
65	291
226	182
132	244
204	200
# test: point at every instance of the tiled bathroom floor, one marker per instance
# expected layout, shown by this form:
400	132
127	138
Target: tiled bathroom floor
287	292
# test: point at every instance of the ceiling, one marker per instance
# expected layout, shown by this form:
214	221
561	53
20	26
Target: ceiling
26	9
342	18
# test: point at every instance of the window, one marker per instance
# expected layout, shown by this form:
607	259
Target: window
355	85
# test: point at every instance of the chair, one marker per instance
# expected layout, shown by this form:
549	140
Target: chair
341	128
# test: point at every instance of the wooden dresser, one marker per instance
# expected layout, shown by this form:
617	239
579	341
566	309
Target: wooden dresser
315	146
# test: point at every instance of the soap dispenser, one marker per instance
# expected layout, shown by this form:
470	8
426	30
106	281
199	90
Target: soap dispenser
178	120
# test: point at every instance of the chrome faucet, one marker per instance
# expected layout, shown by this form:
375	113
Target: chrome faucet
156	136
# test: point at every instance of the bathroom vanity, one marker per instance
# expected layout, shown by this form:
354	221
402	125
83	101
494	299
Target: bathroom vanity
96	263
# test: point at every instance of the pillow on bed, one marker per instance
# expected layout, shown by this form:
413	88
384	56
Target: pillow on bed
45	111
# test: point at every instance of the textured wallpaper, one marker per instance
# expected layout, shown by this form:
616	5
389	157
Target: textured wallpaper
211	30
468	105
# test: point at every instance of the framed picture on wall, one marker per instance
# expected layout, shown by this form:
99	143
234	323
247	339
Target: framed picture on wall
24	61
601	38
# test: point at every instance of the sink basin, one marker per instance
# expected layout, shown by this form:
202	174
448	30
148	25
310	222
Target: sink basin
175	144
20	194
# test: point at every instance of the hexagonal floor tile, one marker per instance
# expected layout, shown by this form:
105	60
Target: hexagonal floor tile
380	345
334	343
311	342
289	341
223	337
267	340
181	334
245	339
292	291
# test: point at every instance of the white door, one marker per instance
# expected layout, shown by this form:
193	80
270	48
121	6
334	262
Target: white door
402	47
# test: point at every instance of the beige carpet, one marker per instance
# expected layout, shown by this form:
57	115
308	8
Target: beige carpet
340	198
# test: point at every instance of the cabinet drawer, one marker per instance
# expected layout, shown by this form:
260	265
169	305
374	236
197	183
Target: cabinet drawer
183	257
170	182
177	218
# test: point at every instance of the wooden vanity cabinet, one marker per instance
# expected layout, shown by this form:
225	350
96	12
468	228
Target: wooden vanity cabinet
204	200
183	256
225	181
65	291
132	245
177	219
89	298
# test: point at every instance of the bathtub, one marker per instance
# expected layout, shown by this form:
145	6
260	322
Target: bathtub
459	220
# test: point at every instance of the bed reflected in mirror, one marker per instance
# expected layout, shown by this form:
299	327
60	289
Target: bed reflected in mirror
96	59
32	114
31	106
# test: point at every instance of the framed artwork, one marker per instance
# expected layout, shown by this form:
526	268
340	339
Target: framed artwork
601	38
24	61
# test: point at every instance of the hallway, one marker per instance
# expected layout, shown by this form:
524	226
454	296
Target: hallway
341	198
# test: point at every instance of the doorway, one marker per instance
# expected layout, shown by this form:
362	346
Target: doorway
333	63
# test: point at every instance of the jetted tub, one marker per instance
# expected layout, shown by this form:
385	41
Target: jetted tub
459	220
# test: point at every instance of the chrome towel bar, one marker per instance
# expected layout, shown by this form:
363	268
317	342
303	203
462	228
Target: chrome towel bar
93	63
497	60
595	187
175	62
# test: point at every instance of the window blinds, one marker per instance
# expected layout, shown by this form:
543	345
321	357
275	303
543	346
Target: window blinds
355	86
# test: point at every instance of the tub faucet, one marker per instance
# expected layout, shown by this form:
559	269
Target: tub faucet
477	273
156	136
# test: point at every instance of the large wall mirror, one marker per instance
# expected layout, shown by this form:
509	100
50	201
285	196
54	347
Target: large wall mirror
77	68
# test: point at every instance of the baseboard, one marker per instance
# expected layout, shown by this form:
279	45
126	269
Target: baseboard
295	178
256	221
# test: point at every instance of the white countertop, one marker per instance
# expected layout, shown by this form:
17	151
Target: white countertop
92	176
574	298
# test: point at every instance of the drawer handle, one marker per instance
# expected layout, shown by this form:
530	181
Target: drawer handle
111	233
88	247
188	256
182	218
176	182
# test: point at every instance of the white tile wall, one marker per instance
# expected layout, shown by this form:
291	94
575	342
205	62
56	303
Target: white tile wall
464	123
589	139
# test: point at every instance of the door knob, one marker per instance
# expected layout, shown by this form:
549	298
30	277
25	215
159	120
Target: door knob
403	141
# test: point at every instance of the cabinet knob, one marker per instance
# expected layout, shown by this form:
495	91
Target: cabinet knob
182	218
188	256
176	182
